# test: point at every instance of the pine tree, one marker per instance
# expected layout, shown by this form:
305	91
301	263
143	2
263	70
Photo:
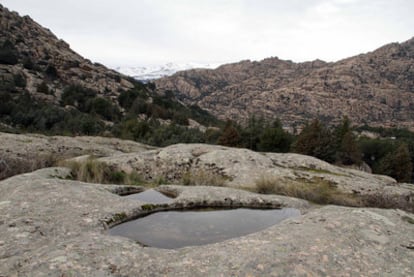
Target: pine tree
230	136
397	164
349	152
274	139
250	135
342	129
316	140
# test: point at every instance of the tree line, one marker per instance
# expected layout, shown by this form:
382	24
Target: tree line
161	120
392	153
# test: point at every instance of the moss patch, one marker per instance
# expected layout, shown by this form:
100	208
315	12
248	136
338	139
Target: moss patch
319	171
408	219
116	218
148	207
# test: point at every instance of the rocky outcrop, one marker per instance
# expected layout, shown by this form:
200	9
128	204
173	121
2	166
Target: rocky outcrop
42	57
243	168
19	145
376	88
23	153
56	227
200	164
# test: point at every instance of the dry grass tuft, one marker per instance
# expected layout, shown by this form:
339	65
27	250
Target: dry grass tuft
94	171
321	191
90	171
201	177
268	185
316	190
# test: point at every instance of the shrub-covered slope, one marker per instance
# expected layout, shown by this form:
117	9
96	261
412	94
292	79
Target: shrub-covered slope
47	87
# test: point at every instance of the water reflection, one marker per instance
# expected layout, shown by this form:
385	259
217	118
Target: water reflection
175	229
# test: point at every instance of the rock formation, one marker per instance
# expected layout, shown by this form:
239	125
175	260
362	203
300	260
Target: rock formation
42	57
54	226
207	164
57	227
23	153
376	89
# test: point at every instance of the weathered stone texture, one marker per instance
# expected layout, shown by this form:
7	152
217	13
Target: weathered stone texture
55	227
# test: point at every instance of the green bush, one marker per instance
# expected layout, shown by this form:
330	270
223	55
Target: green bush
87	101
104	108
163	135
19	80
77	96
51	72
139	106
8	53
46	117
7	83
126	98
180	119
117	177
28	63
6	103
43	88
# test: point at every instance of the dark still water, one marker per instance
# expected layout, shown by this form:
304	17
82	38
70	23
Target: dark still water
175	229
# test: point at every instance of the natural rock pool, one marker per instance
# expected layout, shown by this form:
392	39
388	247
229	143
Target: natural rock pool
175	229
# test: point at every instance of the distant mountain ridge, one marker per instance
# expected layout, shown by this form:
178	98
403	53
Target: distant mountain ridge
148	73
376	88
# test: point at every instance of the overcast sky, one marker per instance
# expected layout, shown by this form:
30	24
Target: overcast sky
144	32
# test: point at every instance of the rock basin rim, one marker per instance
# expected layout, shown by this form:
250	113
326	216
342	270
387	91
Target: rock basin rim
149	208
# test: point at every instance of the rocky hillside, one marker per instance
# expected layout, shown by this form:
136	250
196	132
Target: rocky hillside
376	88
37	55
46	87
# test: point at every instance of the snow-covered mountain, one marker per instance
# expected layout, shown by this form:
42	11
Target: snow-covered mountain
147	73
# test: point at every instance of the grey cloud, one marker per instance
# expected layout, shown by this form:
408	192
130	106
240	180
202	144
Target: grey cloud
128	32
